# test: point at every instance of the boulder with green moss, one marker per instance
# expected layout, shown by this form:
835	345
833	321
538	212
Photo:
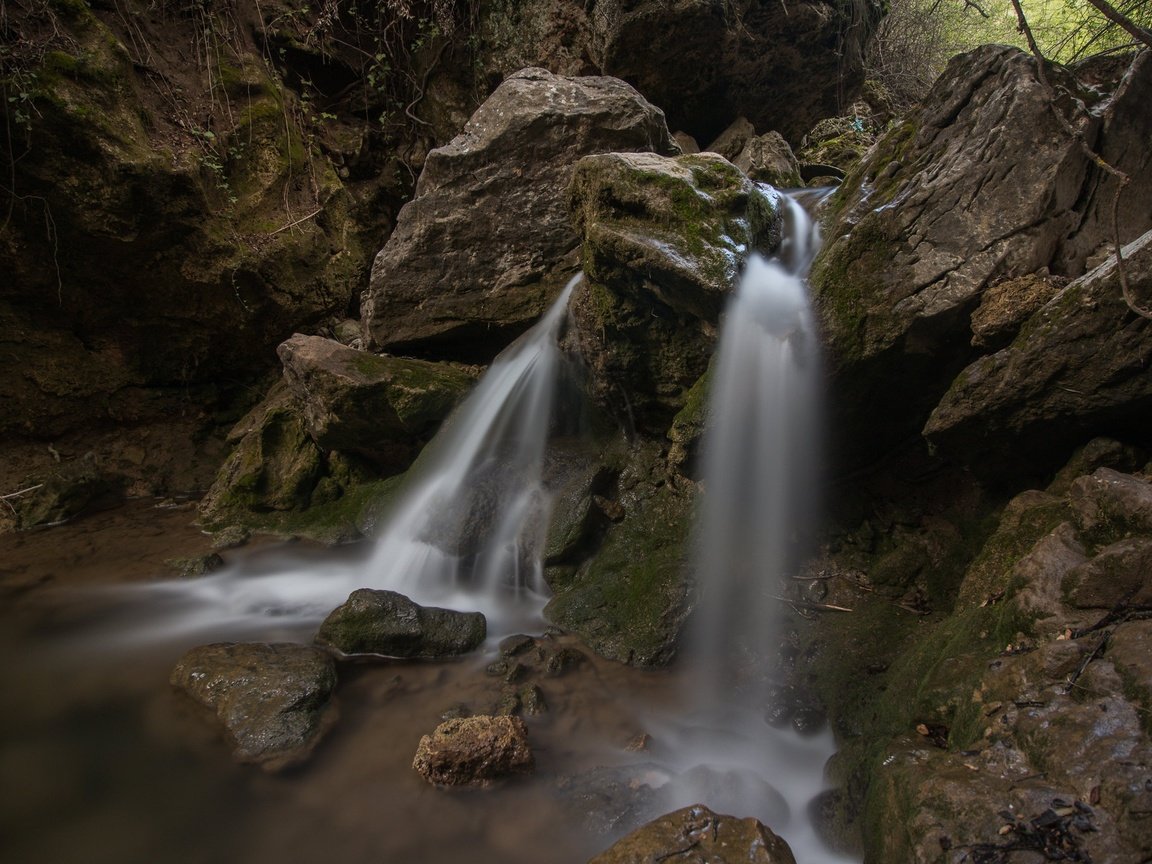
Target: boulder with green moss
389	624
381	408
629	600
664	239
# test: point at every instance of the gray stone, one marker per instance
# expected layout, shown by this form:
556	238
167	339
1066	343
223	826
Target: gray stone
732	141
1079	364
389	624
273	699
1120	573
381	408
769	159
486	243
981	183
1109	506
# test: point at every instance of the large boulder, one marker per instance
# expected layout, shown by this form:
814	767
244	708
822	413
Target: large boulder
381	408
387	623
982	183
696	835
272	699
474	751
486	243
664	239
1078	366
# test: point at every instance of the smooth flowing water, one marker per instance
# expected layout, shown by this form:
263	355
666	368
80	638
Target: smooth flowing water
467	533
760	470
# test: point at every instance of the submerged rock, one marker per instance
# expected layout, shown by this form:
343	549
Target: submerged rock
474	751
388	623
381	408
663	243
695	834
273	699
486	243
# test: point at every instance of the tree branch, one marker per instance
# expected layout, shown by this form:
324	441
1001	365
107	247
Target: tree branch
1112	14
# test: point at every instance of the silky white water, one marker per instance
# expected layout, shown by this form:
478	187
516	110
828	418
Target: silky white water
759	470
467	532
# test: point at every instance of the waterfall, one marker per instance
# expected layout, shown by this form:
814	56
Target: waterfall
759	465
759	473
477	520
467	532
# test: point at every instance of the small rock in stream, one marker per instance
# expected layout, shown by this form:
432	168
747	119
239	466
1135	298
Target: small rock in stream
474	751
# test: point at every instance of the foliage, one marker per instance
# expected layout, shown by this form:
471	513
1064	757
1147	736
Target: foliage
918	37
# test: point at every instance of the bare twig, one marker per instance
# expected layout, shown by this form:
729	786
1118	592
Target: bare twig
1122	21
808	604
1096	652
20	492
296	222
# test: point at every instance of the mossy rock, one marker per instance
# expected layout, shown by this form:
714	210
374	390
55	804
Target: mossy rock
629	601
664	240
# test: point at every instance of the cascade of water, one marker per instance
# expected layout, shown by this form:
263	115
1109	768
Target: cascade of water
758	470
476	521
468	532
759	466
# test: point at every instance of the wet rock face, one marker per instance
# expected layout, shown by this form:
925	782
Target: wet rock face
629	600
486	243
981	184
663	243
274	467
272	699
141	256
696	834
388	623
474	751
381	408
1041	743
